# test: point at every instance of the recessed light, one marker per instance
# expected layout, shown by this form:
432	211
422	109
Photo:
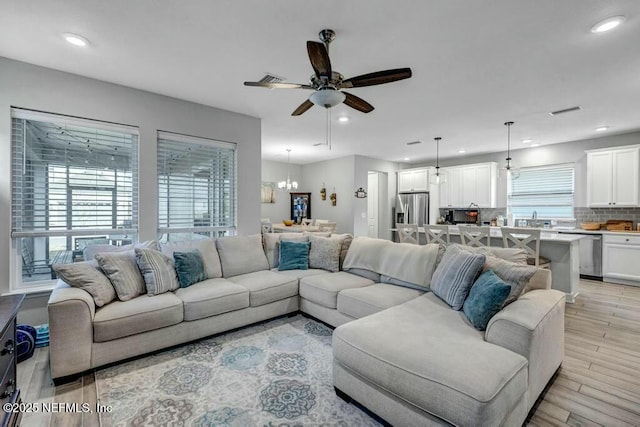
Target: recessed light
535	145
462	150
406	159
608	24
527	141
602	128
75	39
343	119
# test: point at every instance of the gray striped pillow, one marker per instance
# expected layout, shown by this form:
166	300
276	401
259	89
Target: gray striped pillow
157	271
455	275
515	275
88	276
122	270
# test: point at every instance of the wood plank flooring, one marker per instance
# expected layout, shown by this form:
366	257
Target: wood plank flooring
597	385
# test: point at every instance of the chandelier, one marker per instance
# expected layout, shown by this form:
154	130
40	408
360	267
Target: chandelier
288	185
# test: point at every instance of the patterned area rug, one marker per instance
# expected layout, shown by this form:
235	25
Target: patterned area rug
274	374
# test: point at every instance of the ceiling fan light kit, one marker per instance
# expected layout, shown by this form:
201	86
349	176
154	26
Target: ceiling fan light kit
329	84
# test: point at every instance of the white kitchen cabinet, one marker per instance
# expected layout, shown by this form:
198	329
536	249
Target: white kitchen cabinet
612	177
413	180
470	184
620	255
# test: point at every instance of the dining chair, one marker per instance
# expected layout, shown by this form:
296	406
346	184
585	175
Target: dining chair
408	233
327	226
266	227
472	235
524	238
437	234
321	221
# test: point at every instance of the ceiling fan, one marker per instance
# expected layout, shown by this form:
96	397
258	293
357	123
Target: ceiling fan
328	84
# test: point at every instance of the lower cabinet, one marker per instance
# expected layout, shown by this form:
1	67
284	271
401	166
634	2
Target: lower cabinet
620	255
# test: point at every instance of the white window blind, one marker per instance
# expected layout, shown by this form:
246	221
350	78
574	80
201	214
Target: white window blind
73	180
548	190
196	187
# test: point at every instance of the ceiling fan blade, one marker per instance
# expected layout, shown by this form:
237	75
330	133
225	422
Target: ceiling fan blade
377	78
278	85
357	103
319	58
302	108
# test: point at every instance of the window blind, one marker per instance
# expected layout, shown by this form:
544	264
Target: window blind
196	186
548	190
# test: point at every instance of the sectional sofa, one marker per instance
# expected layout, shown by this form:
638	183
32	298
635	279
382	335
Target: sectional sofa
398	349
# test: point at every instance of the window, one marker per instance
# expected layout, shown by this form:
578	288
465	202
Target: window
196	187
548	190
74	183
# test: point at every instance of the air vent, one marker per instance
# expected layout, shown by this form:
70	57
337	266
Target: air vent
414	142
566	110
271	78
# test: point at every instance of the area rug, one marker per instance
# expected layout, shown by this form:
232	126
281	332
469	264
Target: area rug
276	373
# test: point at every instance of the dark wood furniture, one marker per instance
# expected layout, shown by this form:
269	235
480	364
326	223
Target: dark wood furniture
9	392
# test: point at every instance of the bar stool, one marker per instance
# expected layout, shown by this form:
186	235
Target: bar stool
472	235
521	238
437	234
408	233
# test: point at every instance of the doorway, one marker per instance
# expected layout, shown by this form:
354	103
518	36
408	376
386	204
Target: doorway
373	210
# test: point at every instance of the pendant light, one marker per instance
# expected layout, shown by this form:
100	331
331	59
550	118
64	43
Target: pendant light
439	177
288	185
513	172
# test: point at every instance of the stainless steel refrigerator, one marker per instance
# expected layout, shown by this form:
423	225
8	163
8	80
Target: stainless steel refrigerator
414	207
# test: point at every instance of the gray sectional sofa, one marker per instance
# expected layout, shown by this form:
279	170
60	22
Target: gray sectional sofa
398	349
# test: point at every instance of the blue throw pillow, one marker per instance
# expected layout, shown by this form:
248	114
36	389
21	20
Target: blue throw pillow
486	298
189	267
455	275
294	255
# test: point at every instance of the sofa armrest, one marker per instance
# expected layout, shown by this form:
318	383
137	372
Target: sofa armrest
533	326
71	312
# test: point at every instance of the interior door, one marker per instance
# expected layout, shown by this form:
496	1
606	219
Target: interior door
372	204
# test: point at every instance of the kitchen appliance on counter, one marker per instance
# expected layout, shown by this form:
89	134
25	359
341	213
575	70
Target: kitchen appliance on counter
413	208
462	216
590	254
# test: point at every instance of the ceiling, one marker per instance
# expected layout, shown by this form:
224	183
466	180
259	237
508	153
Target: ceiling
476	64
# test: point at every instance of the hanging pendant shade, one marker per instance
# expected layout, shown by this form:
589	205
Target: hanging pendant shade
511	171
288	185
439	177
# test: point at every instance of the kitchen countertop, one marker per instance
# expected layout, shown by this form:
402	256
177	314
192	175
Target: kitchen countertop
545	235
581	231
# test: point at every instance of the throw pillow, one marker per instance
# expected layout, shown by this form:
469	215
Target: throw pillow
241	255
455	275
157	271
90	251
123	272
486	298
325	253
294	255
87	276
207	248
189	267
271	242
515	275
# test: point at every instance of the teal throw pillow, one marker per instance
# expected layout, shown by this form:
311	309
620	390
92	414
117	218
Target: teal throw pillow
189	267
486	298
294	255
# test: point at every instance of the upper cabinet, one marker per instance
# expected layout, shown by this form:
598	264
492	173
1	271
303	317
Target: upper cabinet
612	177
469	184
412	180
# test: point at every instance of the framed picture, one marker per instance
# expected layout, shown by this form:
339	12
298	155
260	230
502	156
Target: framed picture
268	194
300	206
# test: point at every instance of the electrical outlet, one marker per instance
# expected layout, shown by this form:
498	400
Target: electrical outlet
364	214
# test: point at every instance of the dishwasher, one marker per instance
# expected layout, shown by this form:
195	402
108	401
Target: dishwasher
590	255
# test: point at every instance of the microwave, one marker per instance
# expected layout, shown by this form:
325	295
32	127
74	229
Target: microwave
462	216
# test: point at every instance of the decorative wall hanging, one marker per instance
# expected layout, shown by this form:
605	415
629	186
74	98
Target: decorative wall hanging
323	192
360	193
268	194
333	199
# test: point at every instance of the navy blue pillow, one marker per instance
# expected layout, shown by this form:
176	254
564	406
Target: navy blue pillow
486	298
189	267
294	255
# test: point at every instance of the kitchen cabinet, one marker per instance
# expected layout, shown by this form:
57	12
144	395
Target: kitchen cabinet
620	255
469	184
612	177
413	180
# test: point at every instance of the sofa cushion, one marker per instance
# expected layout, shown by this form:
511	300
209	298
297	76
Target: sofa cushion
157	271
293	256
241	255
486	298
323	289
299	274
325	253
360	302
271	244
267	286
88	276
368	274
144	313
207	248
89	252
515	275
189	267
211	297
455	275
434	359
123	272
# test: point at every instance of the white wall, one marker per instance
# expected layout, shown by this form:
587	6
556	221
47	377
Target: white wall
275	172
29	86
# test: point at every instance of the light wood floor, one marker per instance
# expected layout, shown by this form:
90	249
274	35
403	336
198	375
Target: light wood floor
598	384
